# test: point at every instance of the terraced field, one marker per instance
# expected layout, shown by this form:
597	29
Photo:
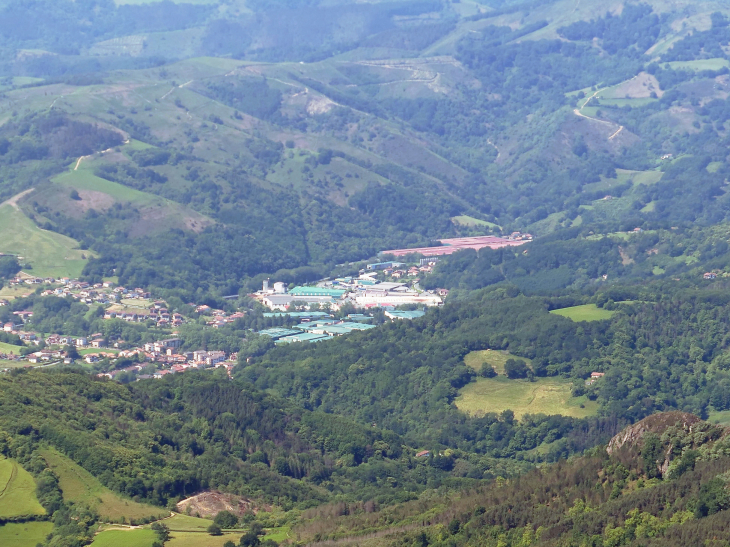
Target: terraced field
17	491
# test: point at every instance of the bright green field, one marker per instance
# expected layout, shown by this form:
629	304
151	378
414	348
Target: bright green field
124	538
17	491
192	532
465	220
80	486
496	358
25	534
586	312
84	179
545	396
185	523
9	348
50	254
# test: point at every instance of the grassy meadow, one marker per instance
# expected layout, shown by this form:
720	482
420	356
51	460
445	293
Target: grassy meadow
79	486
9	348
586	312
496	358
466	220
125	538
50	254
544	396
17	491
24	534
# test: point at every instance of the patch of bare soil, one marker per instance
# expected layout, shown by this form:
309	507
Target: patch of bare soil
209	504
640	87
91	199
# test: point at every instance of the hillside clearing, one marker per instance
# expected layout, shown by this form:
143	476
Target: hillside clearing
24	534
50	254
496	358
545	396
466	220
17	491
586	312
79	486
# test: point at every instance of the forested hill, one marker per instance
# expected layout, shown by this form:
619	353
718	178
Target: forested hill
423	120
662	481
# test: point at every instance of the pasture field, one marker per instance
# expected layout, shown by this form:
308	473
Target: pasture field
545	396
185	523
701	64
98	350
721	417
84	179
9	348
24	534
201	539
12	364
125	538
80	486
496	358
19	291
586	312
17	491
466	220
50	254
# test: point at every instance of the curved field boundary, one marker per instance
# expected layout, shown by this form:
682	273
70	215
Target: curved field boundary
17	497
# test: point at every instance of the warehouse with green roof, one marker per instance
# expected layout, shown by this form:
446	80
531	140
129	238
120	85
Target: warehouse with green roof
316	291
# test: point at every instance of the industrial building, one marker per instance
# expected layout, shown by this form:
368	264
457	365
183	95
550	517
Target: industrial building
396	314
316	291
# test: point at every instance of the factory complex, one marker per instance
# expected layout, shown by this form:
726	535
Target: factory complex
365	291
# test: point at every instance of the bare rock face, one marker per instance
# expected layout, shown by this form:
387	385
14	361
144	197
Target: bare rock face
656	423
209	504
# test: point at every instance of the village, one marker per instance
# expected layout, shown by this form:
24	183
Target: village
308	311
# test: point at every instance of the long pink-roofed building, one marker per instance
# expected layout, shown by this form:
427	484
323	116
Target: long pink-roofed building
450	246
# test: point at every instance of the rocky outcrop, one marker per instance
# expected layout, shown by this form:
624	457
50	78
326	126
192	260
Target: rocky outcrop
633	435
209	504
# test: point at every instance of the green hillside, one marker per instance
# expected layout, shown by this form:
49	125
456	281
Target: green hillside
17	492
79	486
48	253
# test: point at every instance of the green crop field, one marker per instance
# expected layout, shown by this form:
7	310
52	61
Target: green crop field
496	358
80	486
545	396
586	312
24	534
17	491
125	538
50	254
